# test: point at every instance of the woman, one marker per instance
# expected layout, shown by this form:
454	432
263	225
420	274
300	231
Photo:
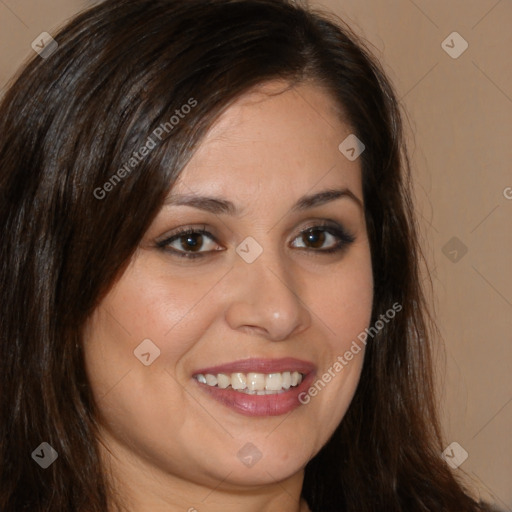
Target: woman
211	297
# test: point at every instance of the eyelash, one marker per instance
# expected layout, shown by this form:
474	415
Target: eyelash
344	240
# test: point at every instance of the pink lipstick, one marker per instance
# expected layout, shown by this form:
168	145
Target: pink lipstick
257	387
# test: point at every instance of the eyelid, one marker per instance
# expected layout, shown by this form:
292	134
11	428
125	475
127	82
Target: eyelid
322	223
327	224
186	230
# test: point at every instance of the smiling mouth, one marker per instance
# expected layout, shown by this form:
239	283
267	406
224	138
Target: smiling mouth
257	387
253	383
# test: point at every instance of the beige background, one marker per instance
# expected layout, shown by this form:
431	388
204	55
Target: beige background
460	127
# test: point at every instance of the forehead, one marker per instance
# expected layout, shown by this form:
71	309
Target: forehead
275	137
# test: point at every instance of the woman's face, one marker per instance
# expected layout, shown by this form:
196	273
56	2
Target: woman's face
258	304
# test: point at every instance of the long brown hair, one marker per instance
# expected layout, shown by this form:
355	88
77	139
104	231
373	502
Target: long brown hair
72	120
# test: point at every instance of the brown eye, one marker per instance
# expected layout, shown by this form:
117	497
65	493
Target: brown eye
314	237
324	239
190	243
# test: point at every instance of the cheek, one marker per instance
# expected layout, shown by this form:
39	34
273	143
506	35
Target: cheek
143	403
146	304
344	304
346	297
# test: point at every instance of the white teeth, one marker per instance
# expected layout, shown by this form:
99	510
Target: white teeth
223	380
273	382
211	380
287	380
238	381
253	383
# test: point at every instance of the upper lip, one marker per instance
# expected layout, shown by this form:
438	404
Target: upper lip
258	365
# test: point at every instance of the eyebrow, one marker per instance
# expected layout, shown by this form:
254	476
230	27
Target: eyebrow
217	205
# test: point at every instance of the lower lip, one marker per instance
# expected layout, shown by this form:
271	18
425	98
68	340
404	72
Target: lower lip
260	405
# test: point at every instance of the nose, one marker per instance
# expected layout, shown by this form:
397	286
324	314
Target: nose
265	299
